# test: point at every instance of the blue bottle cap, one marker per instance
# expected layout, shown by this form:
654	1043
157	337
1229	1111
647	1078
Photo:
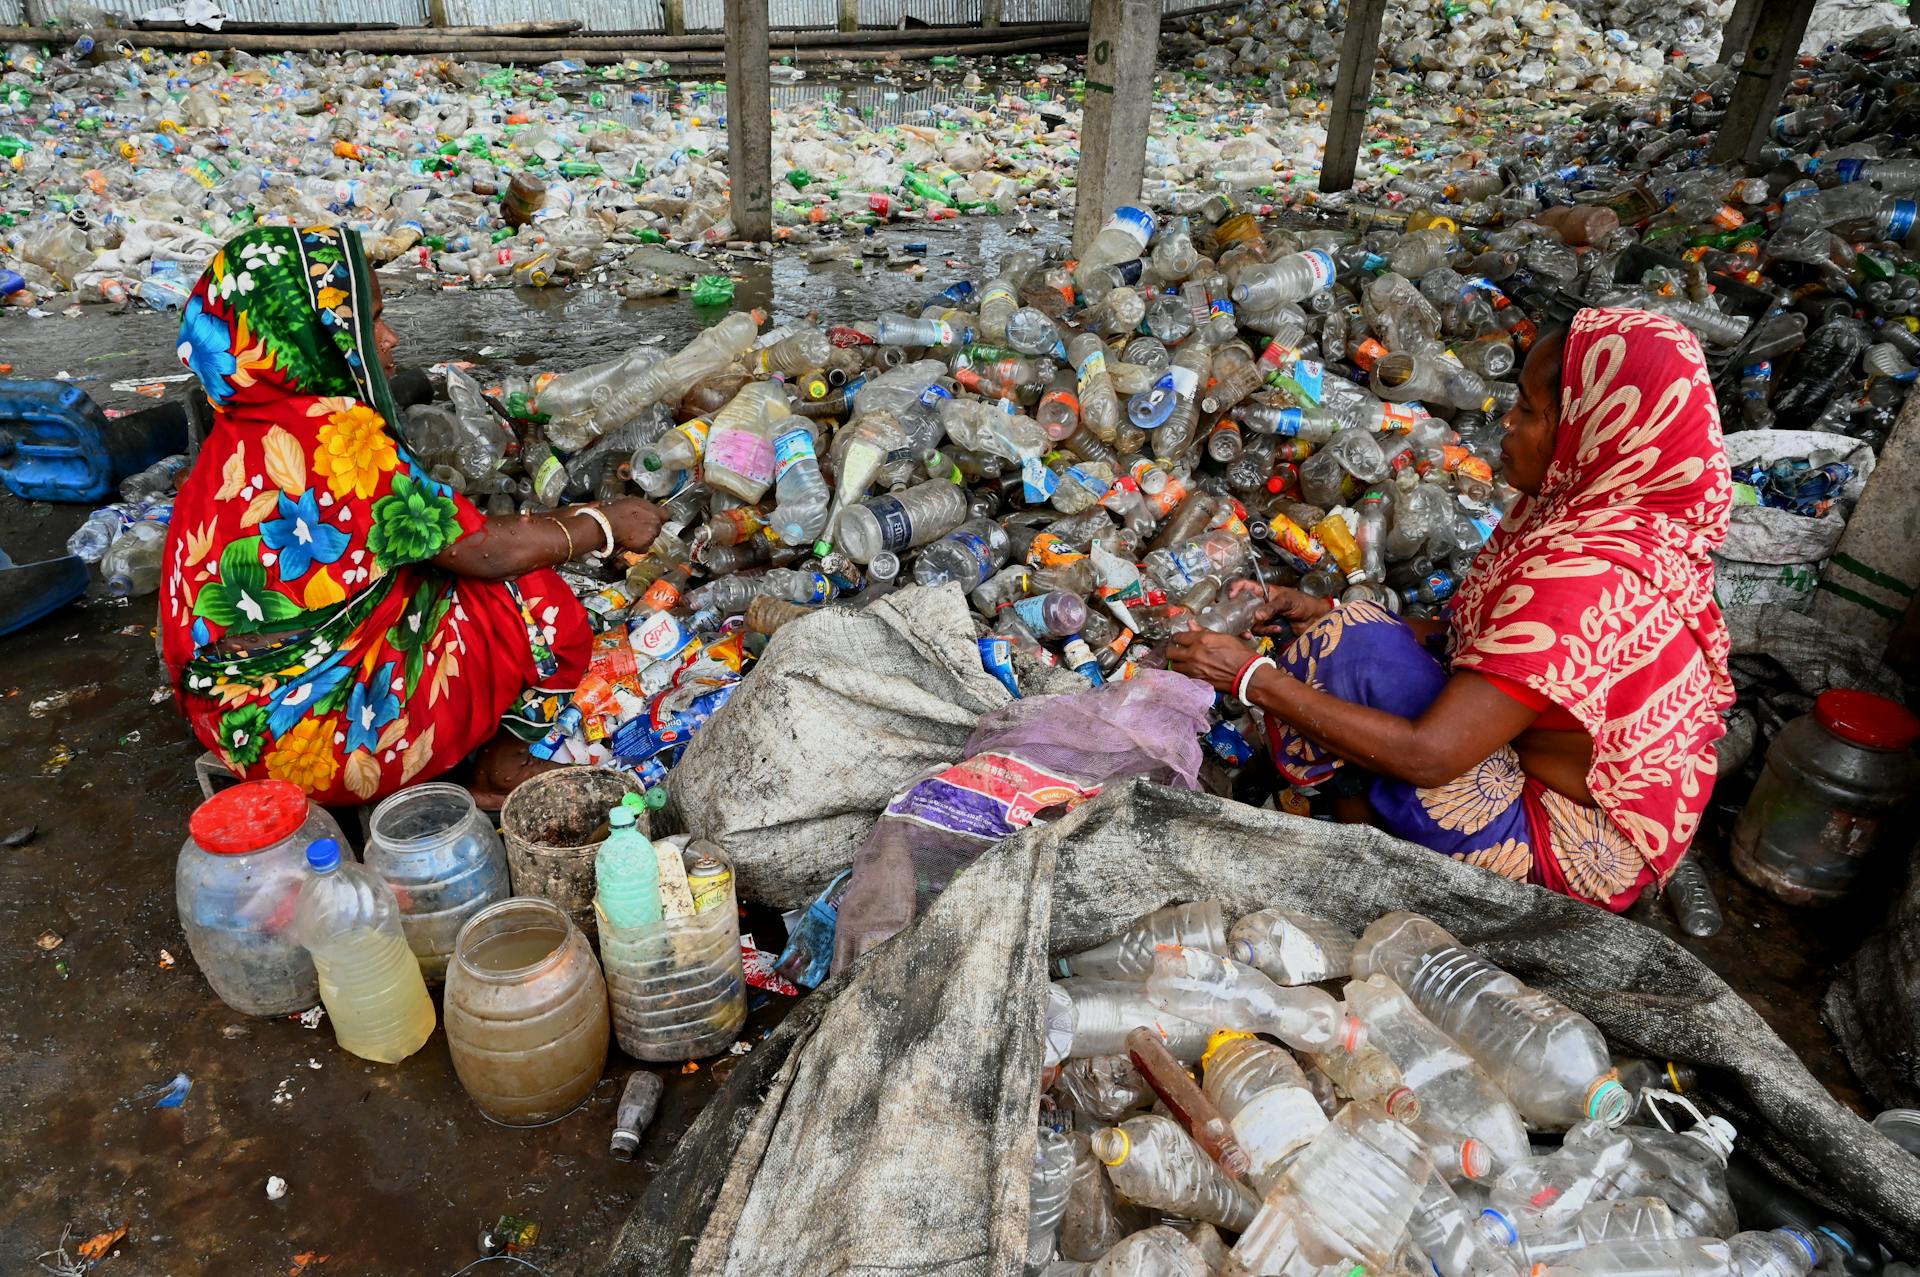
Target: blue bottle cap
323	855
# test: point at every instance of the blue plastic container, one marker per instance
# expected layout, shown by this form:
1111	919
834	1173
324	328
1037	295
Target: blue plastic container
56	444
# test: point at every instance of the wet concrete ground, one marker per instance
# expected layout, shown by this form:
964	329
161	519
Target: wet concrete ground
391	1170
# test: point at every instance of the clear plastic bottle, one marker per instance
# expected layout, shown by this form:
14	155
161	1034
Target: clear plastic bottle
740	459
1160	1251
91	540
901	521
1129	955
1124	238
1264	1095
626	872
640	382
969	554
1289	279
1099	408
801	515
1170	402
729	595
1448	1232
1189	1105
658	466
1456	1095
1031	331
1153	1162
1048	1186
1091	1225
1209	989
156	482
1347	1196
1178	569
1053	615
798	352
1691	898
1105	1011
370	982
1550	1060
132	564
1290	947
901	330
1781	1252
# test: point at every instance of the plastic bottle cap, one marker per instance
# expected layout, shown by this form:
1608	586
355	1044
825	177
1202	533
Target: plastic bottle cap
621	817
248	816
1503	1224
1609	1102
1866	720
323	855
1219	1039
1112	1145
1813	1251
1476	1159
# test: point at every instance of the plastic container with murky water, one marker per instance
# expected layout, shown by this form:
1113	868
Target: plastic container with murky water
445	863
1830	799
554	825
236	884
676	986
526	1012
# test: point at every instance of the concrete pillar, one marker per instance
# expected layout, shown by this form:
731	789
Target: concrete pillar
749	120
849	15
674	16
990	11
1739	29
1777	31
1123	40
1870	582
1352	93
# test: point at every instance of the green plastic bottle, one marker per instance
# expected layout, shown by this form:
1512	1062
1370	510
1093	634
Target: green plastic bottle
626	874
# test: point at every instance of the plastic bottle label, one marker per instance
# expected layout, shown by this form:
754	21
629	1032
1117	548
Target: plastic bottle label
819	589
998	292
1222	306
933	394
744	452
545	472
1289	422
896	529
1181	381
981	558
1849	170
1093	368
1900	221
1136	222
1032	613
790	449
1089	480
1036	481
1320	266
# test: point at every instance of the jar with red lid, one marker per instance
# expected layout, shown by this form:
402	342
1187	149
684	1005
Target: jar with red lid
236	884
1835	786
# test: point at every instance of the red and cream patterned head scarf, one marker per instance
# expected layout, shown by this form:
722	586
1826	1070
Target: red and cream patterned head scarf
1598	593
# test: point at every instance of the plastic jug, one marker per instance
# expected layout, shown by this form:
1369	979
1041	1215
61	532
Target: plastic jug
236	884
444	862
369	979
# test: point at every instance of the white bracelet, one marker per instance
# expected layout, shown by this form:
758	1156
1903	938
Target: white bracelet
1246	677
606	526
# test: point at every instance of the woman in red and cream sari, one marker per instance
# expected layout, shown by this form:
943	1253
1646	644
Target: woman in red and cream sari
1568	738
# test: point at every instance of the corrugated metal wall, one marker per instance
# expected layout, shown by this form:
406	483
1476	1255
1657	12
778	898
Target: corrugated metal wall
599	15
10	12
406	13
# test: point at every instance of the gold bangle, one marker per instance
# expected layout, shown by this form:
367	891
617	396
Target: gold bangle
555	520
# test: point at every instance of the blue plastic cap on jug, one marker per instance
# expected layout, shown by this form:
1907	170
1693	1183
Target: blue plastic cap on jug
323	855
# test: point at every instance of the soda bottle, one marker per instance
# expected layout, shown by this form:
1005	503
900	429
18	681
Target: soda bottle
1122	239
131	566
969	554
657	466
740	458
370	981
801	514
901	521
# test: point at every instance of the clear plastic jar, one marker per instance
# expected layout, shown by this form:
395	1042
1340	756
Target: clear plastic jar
1835	784
445	863
236	884
526	1012
676	986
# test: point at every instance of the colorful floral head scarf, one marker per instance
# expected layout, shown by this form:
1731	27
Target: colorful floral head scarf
1598	593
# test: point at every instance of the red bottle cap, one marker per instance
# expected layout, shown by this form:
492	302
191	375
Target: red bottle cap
1865	719
248	817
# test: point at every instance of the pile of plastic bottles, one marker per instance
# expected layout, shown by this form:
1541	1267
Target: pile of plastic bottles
126	539
1392	1128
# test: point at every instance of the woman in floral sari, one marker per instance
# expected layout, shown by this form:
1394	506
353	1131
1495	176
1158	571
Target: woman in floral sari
329	614
1570	743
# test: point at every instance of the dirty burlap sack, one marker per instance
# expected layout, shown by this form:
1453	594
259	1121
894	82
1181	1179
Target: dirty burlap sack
888	1124
843	711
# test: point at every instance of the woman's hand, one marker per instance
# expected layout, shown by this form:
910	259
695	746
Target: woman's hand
636	521
1210	657
1290	607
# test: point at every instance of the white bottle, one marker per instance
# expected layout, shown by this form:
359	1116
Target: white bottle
370	982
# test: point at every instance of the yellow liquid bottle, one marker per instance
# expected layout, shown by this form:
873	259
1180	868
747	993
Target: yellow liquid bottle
370	982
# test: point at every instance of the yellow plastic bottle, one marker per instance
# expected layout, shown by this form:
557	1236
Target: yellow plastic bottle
370	982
